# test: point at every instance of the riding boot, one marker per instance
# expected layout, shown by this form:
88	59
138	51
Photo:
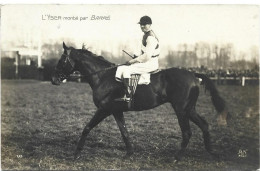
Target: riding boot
127	96
127	88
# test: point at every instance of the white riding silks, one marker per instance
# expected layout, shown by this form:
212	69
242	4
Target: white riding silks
148	63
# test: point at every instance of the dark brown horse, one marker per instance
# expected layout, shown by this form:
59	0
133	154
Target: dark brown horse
176	86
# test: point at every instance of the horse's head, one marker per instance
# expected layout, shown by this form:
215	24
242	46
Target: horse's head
64	68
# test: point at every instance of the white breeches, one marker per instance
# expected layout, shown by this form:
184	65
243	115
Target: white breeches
137	68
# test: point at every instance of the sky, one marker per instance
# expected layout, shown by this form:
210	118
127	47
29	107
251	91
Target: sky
173	24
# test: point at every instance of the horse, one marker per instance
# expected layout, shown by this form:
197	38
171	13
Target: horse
178	87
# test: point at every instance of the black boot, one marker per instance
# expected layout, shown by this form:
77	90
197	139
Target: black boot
127	96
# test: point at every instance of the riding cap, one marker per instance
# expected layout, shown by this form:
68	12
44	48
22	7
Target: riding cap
145	20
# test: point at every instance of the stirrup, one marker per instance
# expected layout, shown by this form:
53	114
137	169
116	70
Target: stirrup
124	99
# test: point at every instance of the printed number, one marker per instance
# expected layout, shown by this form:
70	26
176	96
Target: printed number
19	156
242	153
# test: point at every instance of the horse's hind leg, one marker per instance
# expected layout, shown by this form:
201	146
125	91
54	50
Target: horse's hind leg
203	125
119	117
183	120
96	119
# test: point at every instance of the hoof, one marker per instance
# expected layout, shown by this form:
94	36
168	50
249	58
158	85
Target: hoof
128	156
178	156
214	155
76	155
175	161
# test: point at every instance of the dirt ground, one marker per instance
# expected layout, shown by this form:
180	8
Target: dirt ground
41	124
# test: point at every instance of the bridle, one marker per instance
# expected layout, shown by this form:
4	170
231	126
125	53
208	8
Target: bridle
63	76
68	59
60	72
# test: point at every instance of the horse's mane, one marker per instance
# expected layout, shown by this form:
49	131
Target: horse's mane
89	53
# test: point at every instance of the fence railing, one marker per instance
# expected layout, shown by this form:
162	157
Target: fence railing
242	80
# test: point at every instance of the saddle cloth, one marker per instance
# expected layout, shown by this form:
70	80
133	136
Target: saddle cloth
144	79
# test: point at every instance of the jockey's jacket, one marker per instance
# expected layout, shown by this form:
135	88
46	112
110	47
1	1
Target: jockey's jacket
145	63
150	47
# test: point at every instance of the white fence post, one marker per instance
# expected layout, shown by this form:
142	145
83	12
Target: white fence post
243	81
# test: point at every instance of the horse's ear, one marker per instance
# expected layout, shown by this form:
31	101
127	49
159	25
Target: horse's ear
66	49
83	46
64	46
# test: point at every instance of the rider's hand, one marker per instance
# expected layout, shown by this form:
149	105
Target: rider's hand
127	63
133	61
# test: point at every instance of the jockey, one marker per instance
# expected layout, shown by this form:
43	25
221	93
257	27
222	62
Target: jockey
146	62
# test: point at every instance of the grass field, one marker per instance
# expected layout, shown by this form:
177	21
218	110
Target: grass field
41	124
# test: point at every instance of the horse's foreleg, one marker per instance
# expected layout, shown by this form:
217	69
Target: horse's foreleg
120	120
96	119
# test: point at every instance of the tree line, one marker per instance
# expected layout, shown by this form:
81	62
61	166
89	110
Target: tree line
202	54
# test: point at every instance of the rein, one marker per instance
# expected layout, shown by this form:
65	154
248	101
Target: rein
106	69
96	72
93	73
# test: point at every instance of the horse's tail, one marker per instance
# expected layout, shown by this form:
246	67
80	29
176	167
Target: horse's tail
216	99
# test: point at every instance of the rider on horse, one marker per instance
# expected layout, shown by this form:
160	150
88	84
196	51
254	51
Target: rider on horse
146	62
